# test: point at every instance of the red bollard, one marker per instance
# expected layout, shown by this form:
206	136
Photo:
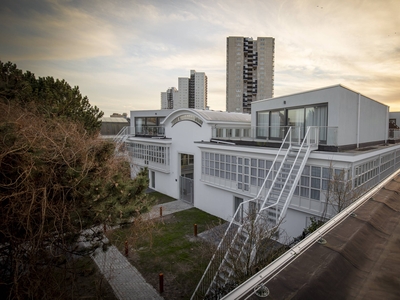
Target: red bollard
126	248
195	230
161	282
160	211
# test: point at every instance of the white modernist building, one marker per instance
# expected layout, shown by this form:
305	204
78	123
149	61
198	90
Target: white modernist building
283	155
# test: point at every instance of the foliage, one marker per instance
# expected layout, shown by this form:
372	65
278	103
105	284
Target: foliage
56	180
167	245
315	224
53	98
244	250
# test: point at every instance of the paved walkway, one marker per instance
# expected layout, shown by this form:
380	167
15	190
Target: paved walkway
125	279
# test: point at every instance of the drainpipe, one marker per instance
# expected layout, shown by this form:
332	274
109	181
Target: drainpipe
387	125
358	120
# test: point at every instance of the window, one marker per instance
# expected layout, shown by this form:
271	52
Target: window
149	153
277	123
236	205
153	179
244	171
298	117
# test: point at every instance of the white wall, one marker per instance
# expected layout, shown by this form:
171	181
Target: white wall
293	224
345	108
374	120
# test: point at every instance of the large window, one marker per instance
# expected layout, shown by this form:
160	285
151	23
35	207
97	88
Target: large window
246	172
318	116
295	118
313	182
142	124
273	124
277	123
262	124
146	152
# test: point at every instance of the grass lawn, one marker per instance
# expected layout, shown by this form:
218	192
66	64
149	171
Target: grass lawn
167	245
161	198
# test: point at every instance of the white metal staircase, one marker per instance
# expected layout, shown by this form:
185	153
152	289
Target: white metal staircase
121	137
235	252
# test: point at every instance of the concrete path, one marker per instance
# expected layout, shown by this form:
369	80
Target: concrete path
168	208
125	279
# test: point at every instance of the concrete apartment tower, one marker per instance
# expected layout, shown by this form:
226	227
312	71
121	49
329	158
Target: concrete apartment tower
168	98
249	71
191	93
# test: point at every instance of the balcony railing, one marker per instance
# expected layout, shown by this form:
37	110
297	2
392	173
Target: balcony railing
327	135
394	133
151	131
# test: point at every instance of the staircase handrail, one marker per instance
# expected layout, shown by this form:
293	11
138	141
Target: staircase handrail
120	134
283	212
288	135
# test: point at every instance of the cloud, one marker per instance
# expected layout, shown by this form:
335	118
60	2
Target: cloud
125	52
58	32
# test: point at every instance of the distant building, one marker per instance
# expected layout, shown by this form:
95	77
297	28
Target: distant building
111	126
168	98
249	71
117	115
191	93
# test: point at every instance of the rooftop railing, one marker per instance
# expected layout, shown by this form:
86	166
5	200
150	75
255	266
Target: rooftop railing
152	131
327	135
394	133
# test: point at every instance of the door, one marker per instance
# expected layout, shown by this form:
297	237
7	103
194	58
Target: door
186	192
186	189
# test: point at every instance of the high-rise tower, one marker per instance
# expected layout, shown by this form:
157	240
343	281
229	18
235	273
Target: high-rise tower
191	93
249	71
168	98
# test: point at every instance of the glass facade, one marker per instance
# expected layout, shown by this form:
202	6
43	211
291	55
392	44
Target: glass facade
144	125
149	153
248	174
272	124
251	172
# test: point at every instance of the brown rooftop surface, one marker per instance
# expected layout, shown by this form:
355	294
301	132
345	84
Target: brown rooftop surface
361	259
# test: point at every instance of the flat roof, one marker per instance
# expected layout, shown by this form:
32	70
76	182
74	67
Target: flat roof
214	115
319	89
360	259
113	120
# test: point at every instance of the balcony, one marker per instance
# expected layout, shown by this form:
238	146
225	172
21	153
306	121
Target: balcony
394	135
149	131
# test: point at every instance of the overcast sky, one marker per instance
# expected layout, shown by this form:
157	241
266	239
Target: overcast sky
122	54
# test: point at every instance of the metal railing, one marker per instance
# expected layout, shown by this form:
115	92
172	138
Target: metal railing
122	135
310	141
236	225
153	131
271	270
394	133
328	135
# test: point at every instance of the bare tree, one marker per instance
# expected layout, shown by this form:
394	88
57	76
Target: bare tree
340	192
55	181
245	250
